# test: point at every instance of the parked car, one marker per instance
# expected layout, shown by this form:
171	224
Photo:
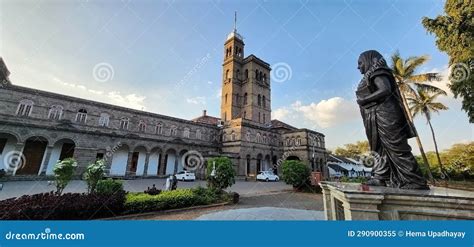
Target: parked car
267	176
186	176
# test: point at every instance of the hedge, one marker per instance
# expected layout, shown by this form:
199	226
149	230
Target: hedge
181	198
68	206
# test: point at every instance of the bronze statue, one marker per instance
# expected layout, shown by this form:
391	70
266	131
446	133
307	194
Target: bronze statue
386	125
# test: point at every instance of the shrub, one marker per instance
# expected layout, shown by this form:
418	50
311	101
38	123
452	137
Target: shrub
68	206
224	173
63	172
109	186
295	173
180	198
93	174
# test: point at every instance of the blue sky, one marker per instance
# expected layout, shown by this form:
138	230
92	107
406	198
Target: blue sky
166	56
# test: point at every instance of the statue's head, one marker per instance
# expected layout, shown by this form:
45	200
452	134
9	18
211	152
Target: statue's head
370	60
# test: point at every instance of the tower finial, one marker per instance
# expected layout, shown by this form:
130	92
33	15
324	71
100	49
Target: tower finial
235	21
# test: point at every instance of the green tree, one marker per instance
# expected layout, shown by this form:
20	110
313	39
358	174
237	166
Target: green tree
295	173
408	81
455	36
63	172
352	150
424	103
224	174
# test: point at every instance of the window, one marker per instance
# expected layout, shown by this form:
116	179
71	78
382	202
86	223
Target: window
264	101
173	130
256	74
225	99
104	120
259	137
259	119
124	123
237	101
298	141
248	135
24	108
245	98
263	117
142	126
246	74
81	116
264	77
245	114
186	132
198	134
227	74
238	74
264	138
232	136
159	129
259	100
55	112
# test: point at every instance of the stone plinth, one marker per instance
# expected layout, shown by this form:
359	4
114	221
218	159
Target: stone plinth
349	201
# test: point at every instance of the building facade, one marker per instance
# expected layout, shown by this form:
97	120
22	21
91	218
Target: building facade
38	128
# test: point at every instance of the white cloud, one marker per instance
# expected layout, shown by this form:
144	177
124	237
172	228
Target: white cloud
326	113
197	100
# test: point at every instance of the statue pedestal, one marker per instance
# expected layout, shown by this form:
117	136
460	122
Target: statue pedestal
352	201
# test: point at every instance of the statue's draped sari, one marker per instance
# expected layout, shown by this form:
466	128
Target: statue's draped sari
387	127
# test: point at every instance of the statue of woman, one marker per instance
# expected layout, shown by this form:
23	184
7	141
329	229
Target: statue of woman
386	125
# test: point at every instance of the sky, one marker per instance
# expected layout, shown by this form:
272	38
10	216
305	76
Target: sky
166	56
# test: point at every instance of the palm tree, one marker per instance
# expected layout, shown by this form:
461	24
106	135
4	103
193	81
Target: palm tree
408	82
424	103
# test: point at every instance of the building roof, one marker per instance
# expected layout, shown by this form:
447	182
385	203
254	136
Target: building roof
205	119
279	124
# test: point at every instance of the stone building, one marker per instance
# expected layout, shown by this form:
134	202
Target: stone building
38	128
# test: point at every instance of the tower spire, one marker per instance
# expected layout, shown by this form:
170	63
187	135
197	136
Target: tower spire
235	21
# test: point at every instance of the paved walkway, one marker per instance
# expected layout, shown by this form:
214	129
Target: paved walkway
244	188
264	213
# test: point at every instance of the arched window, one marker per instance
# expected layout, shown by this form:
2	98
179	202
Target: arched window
237	73
259	118
124	121
142	126
260	77
198	134
186	132
264	101
173	130
264	138
245	98
159	129
264	77
256	74
259	100
248	136
81	116
227	74
246	74
55	112
104	120
225	99
263	117
298	141
24	108
259	137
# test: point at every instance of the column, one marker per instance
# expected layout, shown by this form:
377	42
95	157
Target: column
145	168
44	164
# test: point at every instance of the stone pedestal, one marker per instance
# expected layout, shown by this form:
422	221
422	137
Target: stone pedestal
350	201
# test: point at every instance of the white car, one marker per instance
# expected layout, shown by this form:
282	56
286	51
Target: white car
267	176
186	176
